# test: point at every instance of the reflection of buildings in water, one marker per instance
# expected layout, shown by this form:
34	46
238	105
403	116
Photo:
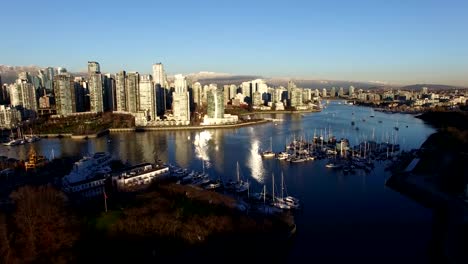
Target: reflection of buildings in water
255	162
183	148
149	146
201	146
218	147
128	148
160	146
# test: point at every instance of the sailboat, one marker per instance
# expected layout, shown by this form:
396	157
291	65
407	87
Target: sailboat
31	137
293	202
269	153
278	202
240	186
15	141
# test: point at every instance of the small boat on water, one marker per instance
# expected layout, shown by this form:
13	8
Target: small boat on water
269	153
332	165
282	155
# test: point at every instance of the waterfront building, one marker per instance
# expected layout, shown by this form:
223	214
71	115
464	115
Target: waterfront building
147	97
332	92
181	102
279	106
204	92
351	91
215	98
9	117
139	176
226	94
96	99
109	92
159	75
296	97
306	95
341	92
132	85
215	111
257	99
96	87
232	91
291	87
81	94
120	92
324	92
23	94
197	94
239	99
246	88
64	90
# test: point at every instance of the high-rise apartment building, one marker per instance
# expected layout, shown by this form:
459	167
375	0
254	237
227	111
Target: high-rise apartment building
351	90
147	97
96	99
132	94
23	94
109	92
159	76
332	92
181	102
64	90
120	91
93	67
197	93
215	99
296	97
81	94
96	87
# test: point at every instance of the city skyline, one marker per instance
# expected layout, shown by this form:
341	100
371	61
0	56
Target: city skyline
398	43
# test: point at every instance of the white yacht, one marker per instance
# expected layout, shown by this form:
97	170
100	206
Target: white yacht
88	173
282	155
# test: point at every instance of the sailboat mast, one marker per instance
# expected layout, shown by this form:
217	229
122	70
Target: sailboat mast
273	187
237	170
282	186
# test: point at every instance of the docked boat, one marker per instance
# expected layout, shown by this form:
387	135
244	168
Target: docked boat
332	165
138	176
269	153
297	159
282	155
88	175
240	186
214	185
14	142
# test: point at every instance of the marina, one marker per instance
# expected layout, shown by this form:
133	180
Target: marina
329	198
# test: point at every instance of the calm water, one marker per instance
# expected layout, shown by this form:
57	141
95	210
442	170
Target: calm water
345	217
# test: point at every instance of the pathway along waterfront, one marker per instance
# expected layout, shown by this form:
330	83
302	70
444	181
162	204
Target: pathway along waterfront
345	217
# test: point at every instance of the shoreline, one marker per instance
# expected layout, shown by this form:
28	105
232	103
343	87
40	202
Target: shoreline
149	128
281	112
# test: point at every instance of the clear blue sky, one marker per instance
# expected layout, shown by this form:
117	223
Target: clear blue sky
411	41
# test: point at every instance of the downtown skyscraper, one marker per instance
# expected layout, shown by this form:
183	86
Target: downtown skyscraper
96	90
64	90
181	99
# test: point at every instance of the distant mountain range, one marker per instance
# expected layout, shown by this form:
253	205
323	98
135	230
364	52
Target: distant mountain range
10	73
430	87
